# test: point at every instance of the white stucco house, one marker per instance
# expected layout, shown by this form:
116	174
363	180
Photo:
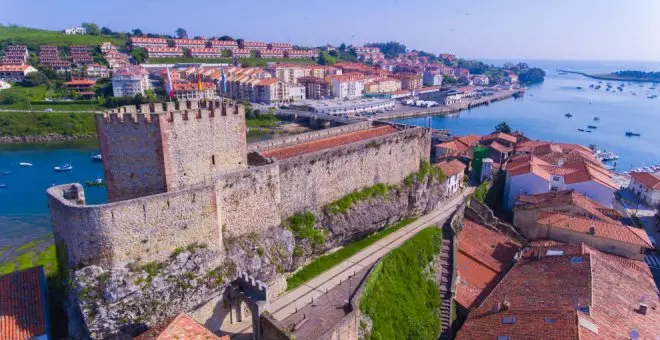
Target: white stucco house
647	186
454	170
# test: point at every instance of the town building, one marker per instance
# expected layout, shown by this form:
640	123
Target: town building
12	61
75	30
322	71
206	53
82	58
409	81
261	90
164	52
116	59
461	73
280	46
147	42
253	45
192	91
484	256
447	57
60	66
24	308
288	73
241	53
347	86
224	44
270	53
80	85
500	146
544	167
480	80
454	170
96	71
315	88
189	43
15	73
568	291
79	49
18	48
130	81
107	47
432	78
300	54
366	53
460	147
297	92
511	76
181	326
647	186
383	85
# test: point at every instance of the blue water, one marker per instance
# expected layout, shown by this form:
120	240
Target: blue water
23	204
540	113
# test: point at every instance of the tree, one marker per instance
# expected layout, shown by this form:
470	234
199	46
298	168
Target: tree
226	38
240	41
390	49
181	33
326	59
503	127
91	28
531	76
137	31
139	54
342	47
35	79
106	31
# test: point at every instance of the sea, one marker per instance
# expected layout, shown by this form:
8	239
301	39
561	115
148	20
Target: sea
540	114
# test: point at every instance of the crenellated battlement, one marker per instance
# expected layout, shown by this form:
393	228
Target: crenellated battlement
175	111
252	287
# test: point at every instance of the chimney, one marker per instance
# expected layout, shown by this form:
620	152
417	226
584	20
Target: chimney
643	307
506	304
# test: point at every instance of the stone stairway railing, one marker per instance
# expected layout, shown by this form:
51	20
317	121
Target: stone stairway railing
446	292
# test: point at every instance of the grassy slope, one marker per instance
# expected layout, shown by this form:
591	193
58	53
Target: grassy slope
400	298
33	37
44	123
325	262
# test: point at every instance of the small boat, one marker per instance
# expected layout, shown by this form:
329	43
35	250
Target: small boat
97	157
3	186
569	115
579	87
632	134
26	164
581	130
587	131
95	183
593	147
596	118
65	167
592	127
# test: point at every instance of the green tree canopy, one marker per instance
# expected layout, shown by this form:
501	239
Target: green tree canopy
35	79
106	31
503	127
181	32
137	31
531	76
326	59
91	28
390	49
139	54
226	38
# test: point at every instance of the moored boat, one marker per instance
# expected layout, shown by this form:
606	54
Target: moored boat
95	183
592	126
569	115
62	168
26	164
596	118
97	157
632	134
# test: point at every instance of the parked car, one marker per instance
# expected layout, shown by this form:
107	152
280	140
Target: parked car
48	109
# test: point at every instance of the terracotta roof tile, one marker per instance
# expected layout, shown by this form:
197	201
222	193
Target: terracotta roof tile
614	231
499	147
650	180
23	304
179	327
500	135
327	143
556	199
451	168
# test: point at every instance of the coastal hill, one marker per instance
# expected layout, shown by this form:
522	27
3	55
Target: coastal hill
628	75
33	38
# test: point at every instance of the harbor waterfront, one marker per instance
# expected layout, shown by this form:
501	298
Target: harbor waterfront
540	113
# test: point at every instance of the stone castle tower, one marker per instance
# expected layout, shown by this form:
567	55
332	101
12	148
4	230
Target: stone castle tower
156	148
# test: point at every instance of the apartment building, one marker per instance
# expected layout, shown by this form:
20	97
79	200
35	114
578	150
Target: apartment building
461	73
107	47
280	46
315	87
383	85
80	85
147	42
11	61
224	44
322	71
241	53
15	73
253	45
270	53
189	43
288	73
480	80
96	71
18	48
347	86
60	66
75	30
192	91
409	81
432	78
82	58
206	53
647	186
299	54
164	52
129	81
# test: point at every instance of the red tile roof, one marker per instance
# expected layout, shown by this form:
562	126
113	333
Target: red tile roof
76	82
327	143
14	68
451	168
499	147
499	135
179	327
558	199
610	230
23	304
483	254
649	180
461	144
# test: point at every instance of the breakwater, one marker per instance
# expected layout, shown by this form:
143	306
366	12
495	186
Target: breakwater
612	77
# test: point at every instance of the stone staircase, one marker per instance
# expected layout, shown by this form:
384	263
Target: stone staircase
444	274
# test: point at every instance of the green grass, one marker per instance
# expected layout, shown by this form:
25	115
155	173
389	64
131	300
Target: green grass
263	121
243	61
341	205
29	245
26	260
481	192
44	123
48	259
325	262
34	37
22	95
401	298
54	107
425	168
302	227
7	267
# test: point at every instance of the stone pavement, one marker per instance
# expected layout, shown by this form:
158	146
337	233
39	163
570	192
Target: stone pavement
287	304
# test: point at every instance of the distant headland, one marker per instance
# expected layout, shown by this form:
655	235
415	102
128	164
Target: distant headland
635	76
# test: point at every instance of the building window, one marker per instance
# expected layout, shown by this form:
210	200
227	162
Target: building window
555	178
213	159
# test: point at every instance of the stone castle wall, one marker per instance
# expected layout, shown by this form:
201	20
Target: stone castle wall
312	180
164	147
307	136
142	229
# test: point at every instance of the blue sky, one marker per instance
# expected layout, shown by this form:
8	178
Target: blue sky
511	29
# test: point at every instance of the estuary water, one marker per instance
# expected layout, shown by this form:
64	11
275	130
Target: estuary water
539	114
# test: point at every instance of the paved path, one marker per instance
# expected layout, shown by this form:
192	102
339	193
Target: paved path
288	303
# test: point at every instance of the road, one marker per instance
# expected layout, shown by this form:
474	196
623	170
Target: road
288	303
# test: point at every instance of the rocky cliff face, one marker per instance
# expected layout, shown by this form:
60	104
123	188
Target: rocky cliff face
127	300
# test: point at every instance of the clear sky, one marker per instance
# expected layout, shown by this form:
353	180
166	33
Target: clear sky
516	29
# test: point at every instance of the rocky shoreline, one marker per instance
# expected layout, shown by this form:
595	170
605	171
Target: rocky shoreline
52	137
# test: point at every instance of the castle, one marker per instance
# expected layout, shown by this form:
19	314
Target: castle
182	173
